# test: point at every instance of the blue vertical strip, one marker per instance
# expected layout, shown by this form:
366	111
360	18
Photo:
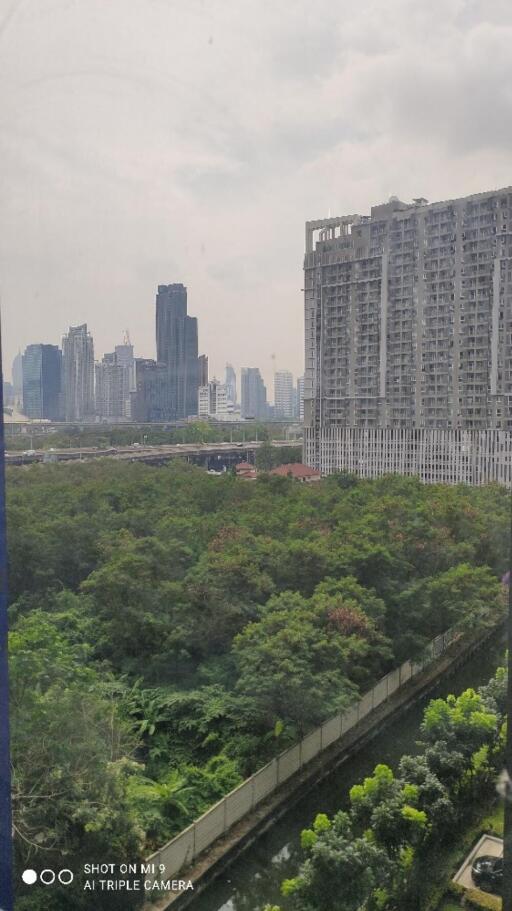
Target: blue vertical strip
6	894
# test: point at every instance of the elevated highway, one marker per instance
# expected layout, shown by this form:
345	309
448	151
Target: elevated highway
213	456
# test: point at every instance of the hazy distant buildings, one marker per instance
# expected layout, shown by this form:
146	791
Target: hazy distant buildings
202	376
213	401
150	402
231	384
254	394
176	343
300	398
408	316
124	357
41	379
78	374
284	394
17	377
114	385
8	390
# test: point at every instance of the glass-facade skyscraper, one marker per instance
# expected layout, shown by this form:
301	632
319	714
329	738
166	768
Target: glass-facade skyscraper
254	394
41	370
78	374
177	348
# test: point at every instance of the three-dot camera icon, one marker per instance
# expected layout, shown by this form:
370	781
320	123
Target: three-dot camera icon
48	877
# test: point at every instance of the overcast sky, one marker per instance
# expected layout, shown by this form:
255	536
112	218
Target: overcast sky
156	141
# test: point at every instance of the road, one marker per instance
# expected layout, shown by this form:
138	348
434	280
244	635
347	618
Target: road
157	454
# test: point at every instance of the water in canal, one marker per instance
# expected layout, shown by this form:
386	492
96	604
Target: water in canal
255	877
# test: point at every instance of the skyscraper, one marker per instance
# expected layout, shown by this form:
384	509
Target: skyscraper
41	375
78	374
150	400
125	358
254	394
283	394
176	345
408	315
113	386
202	370
231	383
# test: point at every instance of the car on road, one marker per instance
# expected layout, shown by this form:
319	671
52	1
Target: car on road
487	873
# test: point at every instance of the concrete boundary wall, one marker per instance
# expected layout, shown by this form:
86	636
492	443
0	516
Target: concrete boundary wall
289	762
185	847
239	802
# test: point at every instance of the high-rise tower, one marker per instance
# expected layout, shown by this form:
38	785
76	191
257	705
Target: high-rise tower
41	371
177	347
78	374
408	328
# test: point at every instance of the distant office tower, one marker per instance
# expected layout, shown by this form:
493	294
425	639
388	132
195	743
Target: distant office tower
8	394
151	399
41	370
17	377
254	394
78	374
113	386
231	383
176	344
300	398
283	394
125	358
203	370
408	318
213	401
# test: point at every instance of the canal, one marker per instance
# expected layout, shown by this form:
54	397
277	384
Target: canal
254	878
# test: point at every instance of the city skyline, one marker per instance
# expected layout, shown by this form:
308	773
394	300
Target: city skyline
139	158
126	355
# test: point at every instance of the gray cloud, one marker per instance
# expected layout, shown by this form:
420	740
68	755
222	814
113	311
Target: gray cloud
148	141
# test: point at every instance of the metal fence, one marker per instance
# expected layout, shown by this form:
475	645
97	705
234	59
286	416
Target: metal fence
185	847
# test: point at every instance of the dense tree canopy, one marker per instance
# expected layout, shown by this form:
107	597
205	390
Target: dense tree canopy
171	631
380	854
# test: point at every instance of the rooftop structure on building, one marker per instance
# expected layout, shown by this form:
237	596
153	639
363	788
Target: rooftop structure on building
408	315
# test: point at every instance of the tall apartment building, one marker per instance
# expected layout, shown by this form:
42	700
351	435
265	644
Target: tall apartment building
213	400
408	319
254	394
78	374
176	345
300	398
231	383
41	381
151	399
284	394
113	386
